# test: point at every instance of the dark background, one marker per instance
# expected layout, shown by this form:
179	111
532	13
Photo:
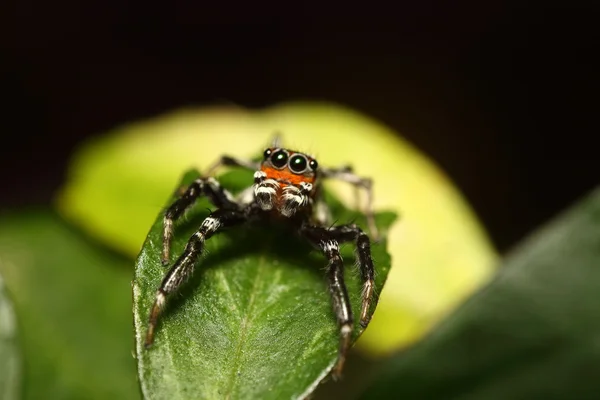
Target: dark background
503	95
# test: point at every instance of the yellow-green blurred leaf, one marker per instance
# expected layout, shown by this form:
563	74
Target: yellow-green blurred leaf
532	333
441	254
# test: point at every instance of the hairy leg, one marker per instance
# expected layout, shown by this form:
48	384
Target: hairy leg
208	187
347	175
184	266
339	293
351	232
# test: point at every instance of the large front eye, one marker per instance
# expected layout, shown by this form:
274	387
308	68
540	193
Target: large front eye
279	159
298	164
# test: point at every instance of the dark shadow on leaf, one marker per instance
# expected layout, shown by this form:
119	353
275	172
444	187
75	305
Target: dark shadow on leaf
278	240
281	243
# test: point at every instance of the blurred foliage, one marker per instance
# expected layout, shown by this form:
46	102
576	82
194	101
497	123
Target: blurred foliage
10	356
73	302
532	333
256	320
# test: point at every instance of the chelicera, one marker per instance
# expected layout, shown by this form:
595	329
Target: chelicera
287	187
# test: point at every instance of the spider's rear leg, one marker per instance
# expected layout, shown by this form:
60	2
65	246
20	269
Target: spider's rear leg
209	187
228	161
184	266
346	174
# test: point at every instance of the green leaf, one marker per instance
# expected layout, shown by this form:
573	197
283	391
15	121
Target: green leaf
255	321
10	356
73	303
533	333
441	252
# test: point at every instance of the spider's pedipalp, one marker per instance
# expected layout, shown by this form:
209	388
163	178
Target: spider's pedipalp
265	193
293	198
259	177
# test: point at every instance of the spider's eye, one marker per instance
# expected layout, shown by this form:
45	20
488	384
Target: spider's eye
298	163
279	159
267	153
313	164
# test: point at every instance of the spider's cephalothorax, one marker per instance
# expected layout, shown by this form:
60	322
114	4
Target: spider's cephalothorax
286	186
286	182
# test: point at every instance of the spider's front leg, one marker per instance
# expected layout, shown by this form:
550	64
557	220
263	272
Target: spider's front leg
209	187
328	239
183	267
321	238
352	233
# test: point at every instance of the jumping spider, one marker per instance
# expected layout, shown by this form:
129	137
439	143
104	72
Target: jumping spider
287	186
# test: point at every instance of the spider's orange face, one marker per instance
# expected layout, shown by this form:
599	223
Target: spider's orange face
289	167
286	181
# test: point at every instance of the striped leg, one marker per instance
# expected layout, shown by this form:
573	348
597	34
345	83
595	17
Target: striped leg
209	187
337	288
345	174
351	232
184	266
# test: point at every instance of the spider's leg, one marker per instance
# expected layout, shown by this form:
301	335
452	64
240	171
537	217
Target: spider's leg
184	265
351	232
228	161
209	187
321	210
320	238
246	196
347	175
276	139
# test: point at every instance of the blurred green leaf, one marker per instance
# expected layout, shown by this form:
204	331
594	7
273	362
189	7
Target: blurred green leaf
256	319
10	356
533	333
72	300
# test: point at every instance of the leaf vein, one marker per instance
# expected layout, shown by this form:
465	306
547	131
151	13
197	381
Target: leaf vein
245	326
227	288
